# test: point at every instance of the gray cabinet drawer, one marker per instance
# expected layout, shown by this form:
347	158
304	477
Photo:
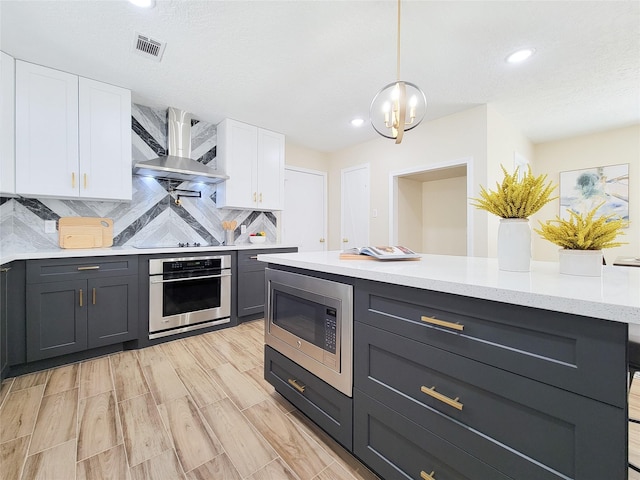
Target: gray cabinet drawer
397	448
248	259
39	271
567	351
527	429
323	404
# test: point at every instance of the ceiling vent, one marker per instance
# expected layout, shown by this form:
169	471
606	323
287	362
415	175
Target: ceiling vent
148	47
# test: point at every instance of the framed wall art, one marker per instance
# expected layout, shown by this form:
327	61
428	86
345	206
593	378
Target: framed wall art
583	190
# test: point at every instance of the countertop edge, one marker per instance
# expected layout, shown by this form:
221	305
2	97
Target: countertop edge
624	311
127	250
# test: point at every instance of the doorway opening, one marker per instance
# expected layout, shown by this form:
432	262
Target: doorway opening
429	208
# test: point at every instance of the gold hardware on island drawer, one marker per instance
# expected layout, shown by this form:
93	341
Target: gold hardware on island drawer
428	476
453	402
296	385
80	297
442	323
92	267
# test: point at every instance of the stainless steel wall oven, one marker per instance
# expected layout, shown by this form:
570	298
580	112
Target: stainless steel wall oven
188	293
310	321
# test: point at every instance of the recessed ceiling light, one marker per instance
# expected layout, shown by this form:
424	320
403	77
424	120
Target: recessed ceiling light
357	122
143	3
520	55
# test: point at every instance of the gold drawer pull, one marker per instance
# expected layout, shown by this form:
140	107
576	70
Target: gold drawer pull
85	181
94	296
428	476
254	257
93	267
296	385
80	297
442	323
73	180
453	402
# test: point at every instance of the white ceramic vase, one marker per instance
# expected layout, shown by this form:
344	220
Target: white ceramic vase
514	245
587	263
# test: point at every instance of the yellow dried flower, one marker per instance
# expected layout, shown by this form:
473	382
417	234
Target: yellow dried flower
516	198
582	232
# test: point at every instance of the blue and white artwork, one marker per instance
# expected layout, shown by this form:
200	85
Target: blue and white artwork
607	187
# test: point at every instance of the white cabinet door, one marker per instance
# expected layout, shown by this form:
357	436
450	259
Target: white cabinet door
105	141
270	186
7	124
237	156
254	160
46	131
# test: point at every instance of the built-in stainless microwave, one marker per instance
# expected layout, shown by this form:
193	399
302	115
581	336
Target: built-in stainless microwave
310	321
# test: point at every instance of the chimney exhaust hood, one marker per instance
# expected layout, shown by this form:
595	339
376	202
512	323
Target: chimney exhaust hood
177	165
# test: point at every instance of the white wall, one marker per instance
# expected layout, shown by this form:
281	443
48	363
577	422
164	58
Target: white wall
410	214
450	138
599	149
444	220
297	156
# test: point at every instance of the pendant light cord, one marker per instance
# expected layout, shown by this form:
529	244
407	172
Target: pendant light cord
398	49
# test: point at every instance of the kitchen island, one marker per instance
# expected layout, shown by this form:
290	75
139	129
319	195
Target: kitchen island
471	372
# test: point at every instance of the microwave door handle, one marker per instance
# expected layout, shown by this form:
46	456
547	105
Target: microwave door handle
191	278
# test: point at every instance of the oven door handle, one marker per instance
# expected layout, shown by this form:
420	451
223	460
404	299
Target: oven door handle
190	278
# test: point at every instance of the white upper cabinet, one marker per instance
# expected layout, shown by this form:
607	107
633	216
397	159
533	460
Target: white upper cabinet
104	140
7	125
73	136
254	160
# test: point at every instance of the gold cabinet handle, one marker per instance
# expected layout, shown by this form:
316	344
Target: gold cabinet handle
452	402
80	297
260	197
94	296
73	179
255	196
254	257
5	269
296	385
428	476
92	267
442	323
322	240
345	240
85	181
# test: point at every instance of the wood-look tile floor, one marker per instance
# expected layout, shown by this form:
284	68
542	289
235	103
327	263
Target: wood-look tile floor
191	409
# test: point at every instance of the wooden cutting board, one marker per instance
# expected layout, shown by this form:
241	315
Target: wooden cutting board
85	232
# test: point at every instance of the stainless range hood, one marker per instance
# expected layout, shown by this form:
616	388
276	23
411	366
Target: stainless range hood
177	165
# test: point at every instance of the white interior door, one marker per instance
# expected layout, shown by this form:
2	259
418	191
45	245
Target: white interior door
304	218
355	207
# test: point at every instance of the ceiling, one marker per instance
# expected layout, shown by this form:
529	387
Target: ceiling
306	68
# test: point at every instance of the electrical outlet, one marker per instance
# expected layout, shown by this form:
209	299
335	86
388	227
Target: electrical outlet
243	229
49	226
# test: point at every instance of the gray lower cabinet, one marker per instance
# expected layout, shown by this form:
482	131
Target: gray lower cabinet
79	304
251	280
473	389
4	315
323	404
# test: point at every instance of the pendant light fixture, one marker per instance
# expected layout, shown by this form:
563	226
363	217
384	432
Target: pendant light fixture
399	106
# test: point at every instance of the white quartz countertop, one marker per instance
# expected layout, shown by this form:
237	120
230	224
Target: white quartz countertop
613	296
10	256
